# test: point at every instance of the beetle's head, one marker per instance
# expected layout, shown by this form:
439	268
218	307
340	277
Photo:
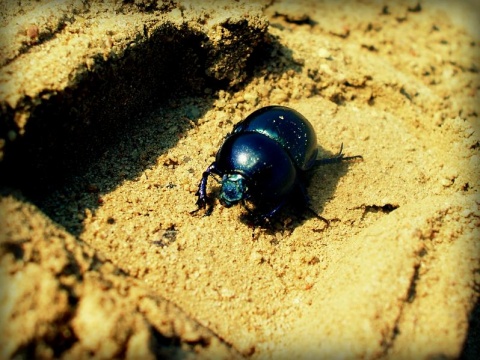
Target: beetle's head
234	189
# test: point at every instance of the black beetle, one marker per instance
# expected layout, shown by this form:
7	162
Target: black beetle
264	161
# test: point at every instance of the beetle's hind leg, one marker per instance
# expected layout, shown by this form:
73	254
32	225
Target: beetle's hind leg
306	202
337	158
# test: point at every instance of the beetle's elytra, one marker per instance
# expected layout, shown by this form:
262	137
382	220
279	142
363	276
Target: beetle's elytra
263	161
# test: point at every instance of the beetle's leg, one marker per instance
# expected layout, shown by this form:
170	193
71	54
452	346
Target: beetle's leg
306	201
304	192
202	190
337	158
262	218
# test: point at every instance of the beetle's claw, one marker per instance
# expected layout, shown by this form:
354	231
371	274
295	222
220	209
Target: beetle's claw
209	211
202	204
318	216
195	211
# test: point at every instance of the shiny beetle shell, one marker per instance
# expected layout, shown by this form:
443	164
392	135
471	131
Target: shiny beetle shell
288	128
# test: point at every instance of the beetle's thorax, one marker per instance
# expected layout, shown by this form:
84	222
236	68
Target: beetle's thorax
234	189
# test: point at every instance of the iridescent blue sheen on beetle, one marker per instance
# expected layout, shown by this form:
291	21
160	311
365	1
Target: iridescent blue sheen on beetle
264	161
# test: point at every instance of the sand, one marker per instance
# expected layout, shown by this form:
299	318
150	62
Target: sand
110	114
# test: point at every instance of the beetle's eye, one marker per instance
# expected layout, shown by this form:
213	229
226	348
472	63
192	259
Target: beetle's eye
233	189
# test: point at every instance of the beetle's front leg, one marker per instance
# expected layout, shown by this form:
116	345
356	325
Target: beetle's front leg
202	190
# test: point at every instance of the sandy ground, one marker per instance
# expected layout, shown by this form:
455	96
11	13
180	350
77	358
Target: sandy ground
112	263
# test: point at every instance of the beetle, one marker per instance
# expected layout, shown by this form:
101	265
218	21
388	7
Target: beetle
263	162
